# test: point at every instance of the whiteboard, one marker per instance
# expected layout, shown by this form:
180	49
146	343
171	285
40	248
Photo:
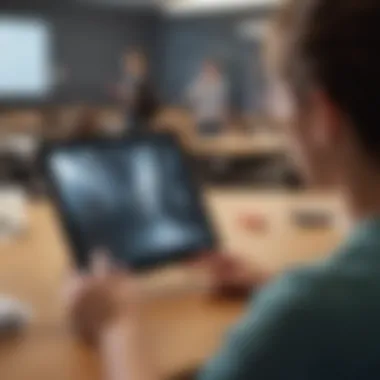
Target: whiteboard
25	58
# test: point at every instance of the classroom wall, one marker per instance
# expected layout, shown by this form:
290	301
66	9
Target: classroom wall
88	43
187	41
89	40
90	46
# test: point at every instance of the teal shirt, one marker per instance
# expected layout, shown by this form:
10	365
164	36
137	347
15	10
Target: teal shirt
320	322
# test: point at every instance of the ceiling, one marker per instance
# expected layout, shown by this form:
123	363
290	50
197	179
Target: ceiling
123	3
186	6
174	7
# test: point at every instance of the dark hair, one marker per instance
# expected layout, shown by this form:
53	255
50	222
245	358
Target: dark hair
87	123
335	44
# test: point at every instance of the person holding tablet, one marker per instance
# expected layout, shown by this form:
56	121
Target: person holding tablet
317	322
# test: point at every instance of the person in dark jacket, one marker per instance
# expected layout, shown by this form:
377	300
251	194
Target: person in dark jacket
137	92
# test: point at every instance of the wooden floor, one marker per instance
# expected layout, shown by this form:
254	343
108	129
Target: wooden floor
186	326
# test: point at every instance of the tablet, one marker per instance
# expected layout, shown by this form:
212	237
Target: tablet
135	197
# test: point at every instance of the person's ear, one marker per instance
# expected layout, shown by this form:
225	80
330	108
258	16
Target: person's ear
327	120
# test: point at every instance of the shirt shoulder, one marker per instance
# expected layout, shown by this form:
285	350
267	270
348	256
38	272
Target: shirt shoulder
273	340
295	323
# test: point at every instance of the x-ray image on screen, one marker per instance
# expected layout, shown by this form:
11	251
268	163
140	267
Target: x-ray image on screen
137	202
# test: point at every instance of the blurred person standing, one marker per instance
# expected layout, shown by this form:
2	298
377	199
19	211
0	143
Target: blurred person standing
208	97
137	92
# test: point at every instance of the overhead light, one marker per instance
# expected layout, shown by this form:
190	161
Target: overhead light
178	7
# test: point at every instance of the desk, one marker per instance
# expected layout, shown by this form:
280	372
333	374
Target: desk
229	144
239	145
185	330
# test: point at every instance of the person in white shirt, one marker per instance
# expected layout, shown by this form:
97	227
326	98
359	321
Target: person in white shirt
208	98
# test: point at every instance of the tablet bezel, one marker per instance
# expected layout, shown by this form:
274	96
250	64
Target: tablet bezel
71	231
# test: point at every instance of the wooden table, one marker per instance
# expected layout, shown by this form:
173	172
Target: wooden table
186	329
229	144
239	145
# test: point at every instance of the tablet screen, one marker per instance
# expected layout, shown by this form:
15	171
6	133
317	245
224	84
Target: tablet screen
136	199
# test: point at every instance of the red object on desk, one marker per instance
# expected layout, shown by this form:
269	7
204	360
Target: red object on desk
252	223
